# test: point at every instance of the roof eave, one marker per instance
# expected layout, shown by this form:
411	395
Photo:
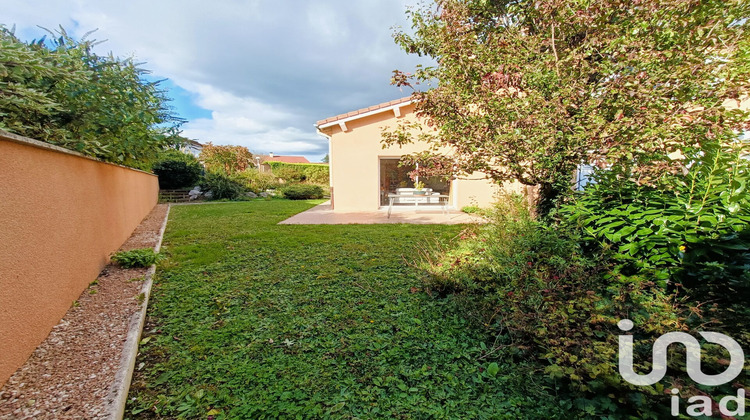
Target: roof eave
345	120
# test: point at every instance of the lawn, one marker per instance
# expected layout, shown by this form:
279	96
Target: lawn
250	319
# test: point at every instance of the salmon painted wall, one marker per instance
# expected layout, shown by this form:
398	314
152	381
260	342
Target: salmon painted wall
355	158
62	215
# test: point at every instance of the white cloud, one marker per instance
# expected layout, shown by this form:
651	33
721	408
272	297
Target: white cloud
260	127
266	70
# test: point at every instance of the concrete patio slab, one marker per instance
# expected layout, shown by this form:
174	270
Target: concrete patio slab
323	215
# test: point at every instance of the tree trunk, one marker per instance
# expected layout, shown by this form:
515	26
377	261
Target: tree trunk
546	199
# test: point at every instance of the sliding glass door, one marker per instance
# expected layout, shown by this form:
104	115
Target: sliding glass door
393	176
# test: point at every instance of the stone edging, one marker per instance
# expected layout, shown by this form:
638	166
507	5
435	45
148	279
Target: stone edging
118	392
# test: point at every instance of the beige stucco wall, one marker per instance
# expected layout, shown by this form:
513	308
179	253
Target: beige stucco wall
61	215
355	158
354	161
476	190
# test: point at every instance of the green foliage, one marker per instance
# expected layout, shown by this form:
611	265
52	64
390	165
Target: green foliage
143	257
222	187
315	173
693	229
59	91
257	181
526	90
177	170
690	234
228	160
302	191
479	211
288	173
545	300
471	209
251	319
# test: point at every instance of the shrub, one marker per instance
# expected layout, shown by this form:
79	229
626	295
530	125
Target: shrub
222	187
177	170
302	191
692	229
228	160
317	174
690	234
57	90
257	181
301	172
544	298
289	174
143	257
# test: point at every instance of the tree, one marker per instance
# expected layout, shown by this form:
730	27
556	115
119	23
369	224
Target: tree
177	170
326	158
528	90
227	159
61	92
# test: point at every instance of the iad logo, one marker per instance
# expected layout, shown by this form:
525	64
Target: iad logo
693	358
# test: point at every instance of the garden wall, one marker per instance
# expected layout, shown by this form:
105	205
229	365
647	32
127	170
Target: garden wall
61	215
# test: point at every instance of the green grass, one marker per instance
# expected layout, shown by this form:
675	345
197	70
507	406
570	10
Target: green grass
250	319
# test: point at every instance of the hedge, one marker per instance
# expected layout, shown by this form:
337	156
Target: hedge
316	173
177	170
302	191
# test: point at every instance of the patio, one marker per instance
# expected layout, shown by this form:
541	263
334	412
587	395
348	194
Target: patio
323	215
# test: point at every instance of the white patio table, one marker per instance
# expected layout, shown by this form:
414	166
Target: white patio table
416	199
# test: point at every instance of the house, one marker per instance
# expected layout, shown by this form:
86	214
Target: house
363	172
265	167
191	147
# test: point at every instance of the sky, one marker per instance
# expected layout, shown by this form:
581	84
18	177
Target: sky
255	73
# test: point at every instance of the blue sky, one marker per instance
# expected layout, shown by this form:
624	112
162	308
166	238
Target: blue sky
184	102
254	73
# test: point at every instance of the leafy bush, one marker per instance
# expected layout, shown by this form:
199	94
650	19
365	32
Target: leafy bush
177	170
59	91
228	160
317	174
257	181
222	187
692	229
302	191
289	174
301	172
142	257
543	298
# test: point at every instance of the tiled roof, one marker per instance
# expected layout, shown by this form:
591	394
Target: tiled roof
287	159
363	110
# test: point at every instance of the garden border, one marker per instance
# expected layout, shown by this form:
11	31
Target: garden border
27	141
118	391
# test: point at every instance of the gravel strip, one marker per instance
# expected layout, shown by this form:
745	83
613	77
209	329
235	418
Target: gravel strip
70	373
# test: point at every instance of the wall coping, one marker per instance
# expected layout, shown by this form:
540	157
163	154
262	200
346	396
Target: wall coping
15	138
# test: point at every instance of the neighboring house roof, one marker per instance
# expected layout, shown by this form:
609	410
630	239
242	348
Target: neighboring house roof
192	147
285	159
194	143
360	113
